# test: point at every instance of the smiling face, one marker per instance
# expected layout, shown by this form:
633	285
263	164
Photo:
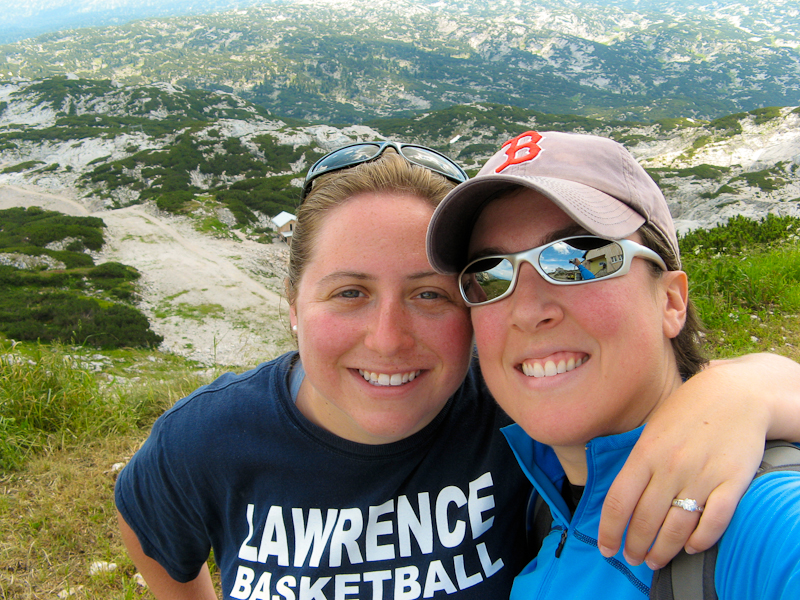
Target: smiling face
570	363
384	339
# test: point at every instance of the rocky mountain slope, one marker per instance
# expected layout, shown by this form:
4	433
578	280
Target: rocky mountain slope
214	291
66	134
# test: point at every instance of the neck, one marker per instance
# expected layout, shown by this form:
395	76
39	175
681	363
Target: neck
573	461
573	457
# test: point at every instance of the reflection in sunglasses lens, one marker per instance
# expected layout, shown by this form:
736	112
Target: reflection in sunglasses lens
488	279
580	259
572	261
426	158
347	156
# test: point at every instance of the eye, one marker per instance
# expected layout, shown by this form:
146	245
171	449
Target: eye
430	295
350	294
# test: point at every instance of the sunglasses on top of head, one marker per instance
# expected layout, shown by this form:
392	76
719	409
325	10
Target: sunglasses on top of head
569	261
354	154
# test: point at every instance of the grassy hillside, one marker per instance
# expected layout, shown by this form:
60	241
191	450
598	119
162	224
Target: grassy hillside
745	280
72	416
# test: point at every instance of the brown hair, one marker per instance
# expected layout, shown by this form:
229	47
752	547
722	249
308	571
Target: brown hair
687	344
389	173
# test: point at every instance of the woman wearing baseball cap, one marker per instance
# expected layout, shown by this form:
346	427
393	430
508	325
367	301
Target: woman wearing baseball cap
581	364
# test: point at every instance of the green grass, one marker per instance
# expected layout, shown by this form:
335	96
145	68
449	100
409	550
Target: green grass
51	397
744	278
68	417
196	312
46	400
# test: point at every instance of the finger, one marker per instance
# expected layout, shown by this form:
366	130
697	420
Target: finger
657	531
673	535
694	531
619	504
718	513
647	519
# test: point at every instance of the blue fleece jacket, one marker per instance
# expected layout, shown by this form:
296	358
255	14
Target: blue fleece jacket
759	555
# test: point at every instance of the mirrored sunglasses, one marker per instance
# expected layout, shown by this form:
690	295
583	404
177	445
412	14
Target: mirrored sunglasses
354	154
569	261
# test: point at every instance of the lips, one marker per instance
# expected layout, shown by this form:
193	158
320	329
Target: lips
388	379
555	366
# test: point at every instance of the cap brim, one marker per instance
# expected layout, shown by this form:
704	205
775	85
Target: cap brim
453	220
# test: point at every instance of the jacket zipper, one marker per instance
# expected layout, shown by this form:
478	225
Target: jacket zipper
561	543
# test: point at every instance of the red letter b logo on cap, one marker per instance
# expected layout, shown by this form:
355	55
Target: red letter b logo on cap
518	153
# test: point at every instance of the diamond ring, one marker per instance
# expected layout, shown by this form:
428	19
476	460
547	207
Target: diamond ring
687	504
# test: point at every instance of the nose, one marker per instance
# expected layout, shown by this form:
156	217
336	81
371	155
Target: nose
533	305
390	329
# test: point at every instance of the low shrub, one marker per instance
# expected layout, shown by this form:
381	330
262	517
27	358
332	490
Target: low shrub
64	316
174	201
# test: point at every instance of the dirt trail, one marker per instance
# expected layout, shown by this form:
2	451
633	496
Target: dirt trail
214	300
13	195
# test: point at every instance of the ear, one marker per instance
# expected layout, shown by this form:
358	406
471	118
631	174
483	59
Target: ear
675	285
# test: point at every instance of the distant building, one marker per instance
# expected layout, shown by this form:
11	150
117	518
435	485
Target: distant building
284	223
602	262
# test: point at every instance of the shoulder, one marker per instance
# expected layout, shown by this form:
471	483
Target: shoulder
232	393
759	555
229	405
211	425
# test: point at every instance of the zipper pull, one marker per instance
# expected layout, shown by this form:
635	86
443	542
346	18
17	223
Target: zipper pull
561	543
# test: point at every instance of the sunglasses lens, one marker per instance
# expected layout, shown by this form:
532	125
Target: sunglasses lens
566	261
433	161
486	279
581	259
345	157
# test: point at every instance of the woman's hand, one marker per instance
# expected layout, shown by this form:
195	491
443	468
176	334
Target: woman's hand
705	442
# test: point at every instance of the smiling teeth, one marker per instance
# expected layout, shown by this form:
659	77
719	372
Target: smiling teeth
551	368
385	379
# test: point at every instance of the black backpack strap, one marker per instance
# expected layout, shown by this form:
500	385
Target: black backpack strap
779	456
686	577
540	522
691	576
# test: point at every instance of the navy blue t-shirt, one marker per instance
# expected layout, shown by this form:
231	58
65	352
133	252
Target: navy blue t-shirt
294	512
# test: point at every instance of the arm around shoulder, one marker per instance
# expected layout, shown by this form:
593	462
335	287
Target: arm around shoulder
769	380
158	580
705	442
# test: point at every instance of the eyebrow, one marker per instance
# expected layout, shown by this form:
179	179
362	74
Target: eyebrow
366	277
568	231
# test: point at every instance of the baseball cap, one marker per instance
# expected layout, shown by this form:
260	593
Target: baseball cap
593	179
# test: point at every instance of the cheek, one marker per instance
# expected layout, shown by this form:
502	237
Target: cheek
621	315
451	336
460	324
603	314
323	334
490	332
